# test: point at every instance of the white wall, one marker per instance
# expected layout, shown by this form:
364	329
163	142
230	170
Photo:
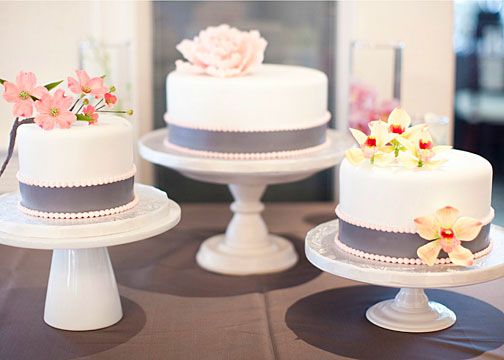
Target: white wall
426	29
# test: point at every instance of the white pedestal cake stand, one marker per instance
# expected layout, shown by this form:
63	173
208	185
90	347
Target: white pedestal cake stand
82	291
411	310
246	247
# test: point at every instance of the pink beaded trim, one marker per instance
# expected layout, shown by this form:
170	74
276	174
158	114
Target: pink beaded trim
64	184
395	229
404	261
245	156
71	216
169	120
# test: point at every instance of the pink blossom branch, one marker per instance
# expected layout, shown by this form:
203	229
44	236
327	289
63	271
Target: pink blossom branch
12	140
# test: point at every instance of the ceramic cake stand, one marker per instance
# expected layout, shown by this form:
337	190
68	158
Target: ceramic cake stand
411	310
246	247
82	291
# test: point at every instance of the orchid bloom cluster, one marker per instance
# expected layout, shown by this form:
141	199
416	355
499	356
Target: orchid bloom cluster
395	141
57	109
446	230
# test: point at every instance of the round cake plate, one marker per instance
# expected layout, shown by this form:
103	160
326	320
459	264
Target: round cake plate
246	247
411	310
82	292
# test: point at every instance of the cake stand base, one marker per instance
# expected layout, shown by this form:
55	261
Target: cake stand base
82	291
215	255
247	247
411	311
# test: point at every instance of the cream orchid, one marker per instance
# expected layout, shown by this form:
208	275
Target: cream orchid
421	151
374	147
399	123
446	230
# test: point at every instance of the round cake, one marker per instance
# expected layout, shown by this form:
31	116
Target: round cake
223	102
403	200
83	171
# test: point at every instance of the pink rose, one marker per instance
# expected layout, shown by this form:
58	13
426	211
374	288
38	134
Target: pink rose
222	51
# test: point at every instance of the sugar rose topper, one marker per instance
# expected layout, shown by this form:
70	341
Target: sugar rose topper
36	104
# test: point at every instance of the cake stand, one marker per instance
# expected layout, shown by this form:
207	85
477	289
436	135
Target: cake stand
82	291
246	247
411	310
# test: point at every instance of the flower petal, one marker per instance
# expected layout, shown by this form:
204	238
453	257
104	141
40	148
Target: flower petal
26	80
408	160
11	93
384	159
408	144
427	227
355	156
447	216
461	256
429	252
73	85
23	108
467	228
359	136
82	76
400	117
413	131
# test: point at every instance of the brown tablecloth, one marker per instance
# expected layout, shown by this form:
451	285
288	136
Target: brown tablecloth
175	310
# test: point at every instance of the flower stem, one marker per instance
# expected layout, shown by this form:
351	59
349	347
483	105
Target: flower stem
12	140
75	103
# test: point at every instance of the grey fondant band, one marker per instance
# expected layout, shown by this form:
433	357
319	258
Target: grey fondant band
403	245
246	142
77	199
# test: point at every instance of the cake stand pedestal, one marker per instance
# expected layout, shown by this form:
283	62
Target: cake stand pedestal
82	291
247	247
411	310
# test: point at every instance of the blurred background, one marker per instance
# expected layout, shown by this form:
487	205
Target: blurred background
443	61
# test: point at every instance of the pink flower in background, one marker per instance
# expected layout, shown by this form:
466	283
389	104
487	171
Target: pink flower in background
110	99
222	51
53	110
21	93
86	85
91	113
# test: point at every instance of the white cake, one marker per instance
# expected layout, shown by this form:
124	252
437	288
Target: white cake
83	171
224	103
404	200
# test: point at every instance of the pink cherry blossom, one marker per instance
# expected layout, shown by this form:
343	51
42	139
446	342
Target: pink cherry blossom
53	110
21	93
91	113
222	51
86	85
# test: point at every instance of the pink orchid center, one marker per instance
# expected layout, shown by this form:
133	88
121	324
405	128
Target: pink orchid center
396	129
370	141
24	95
54	112
447	240
425	144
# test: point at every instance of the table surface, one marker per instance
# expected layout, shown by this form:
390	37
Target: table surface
175	310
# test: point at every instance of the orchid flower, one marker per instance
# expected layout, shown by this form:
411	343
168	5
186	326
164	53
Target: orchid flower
399	123
374	147
421	151
446	230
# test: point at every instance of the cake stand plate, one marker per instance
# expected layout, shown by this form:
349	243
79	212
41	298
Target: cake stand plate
411	310
246	247
82	292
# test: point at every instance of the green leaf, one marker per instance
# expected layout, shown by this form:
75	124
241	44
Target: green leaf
82	117
2	81
52	85
34	98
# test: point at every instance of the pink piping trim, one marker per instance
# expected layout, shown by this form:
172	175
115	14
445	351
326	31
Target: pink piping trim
169	120
404	261
70	216
63	184
395	229
246	156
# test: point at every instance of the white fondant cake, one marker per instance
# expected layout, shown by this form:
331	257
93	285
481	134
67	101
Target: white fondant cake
278	110
390	198
83	171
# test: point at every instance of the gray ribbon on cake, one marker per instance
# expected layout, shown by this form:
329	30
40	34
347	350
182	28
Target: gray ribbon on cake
246	142
77	199
403	245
